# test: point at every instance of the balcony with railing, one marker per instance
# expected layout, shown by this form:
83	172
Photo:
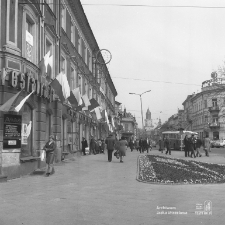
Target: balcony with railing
214	125
214	109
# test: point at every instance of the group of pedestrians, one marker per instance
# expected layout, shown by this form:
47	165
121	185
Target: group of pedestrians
95	147
193	144
140	145
112	143
164	145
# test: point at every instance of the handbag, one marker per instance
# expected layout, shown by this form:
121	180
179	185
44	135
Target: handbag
117	154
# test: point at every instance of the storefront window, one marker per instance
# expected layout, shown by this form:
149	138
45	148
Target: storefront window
26	133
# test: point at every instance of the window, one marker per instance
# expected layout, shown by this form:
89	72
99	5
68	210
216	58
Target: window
49	48
12	20
215	119
205	101
50	4
126	127
63	18
214	102
29	39
86	88
27	131
48	126
79	44
80	83
72	33
72	79
90	92
63	64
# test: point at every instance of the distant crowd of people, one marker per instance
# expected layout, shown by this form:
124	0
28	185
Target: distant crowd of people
111	143
192	145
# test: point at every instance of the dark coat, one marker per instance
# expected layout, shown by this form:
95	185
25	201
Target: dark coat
110	141
84	144
50	148
167	143
141	143
198	143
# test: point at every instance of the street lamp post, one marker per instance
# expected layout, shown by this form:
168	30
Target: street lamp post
141	105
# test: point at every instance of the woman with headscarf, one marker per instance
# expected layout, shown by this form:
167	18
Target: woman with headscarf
50	149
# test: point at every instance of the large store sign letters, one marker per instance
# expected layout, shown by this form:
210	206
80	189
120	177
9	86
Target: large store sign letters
29	84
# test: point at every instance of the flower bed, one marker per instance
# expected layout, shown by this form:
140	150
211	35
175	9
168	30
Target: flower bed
160	169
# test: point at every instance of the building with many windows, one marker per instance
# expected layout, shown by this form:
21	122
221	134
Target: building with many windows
30	30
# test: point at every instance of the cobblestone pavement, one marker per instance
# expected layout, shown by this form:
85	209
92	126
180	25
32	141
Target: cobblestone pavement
91	190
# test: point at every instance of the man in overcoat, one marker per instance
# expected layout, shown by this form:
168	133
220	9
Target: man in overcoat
110	142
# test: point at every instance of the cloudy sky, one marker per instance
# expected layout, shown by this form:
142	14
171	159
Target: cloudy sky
168	50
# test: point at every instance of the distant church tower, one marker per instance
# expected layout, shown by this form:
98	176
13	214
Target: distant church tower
148	120
159	123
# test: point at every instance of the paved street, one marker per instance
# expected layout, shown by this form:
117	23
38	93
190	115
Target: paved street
90	190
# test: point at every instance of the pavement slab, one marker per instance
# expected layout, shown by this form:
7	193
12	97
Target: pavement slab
91	190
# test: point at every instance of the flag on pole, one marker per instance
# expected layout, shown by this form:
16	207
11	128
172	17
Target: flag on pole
86	102
49	68
61	86
8	106
93	105
75	98
18	107
44	63
98	113
106	117
113	124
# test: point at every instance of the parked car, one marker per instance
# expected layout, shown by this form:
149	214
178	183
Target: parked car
222	143
217	143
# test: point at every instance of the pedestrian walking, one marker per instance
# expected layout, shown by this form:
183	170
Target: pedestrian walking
137	145
92	145
167	146
141	145
186	146
160	145
50	153
131	145
145	145
192	143
122	148
198	147
84	145
110	142
207	144
103	146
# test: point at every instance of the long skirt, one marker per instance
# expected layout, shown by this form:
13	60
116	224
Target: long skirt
122	152
50	157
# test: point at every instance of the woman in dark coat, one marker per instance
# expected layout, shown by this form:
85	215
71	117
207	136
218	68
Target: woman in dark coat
50	149
84	145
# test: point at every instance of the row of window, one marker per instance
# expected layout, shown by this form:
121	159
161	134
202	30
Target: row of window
31	42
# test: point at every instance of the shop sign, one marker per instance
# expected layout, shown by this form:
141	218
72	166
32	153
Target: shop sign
12	131
24	81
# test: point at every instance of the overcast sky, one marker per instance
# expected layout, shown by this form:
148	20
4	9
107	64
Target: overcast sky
157	49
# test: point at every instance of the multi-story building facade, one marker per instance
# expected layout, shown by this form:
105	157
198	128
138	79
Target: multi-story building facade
29	30
204	110
128	121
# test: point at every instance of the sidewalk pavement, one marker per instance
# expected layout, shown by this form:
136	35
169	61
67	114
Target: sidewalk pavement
91	190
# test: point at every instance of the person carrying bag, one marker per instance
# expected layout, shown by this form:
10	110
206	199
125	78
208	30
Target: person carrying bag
50	150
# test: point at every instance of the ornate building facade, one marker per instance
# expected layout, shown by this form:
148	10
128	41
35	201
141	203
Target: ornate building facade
29	30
